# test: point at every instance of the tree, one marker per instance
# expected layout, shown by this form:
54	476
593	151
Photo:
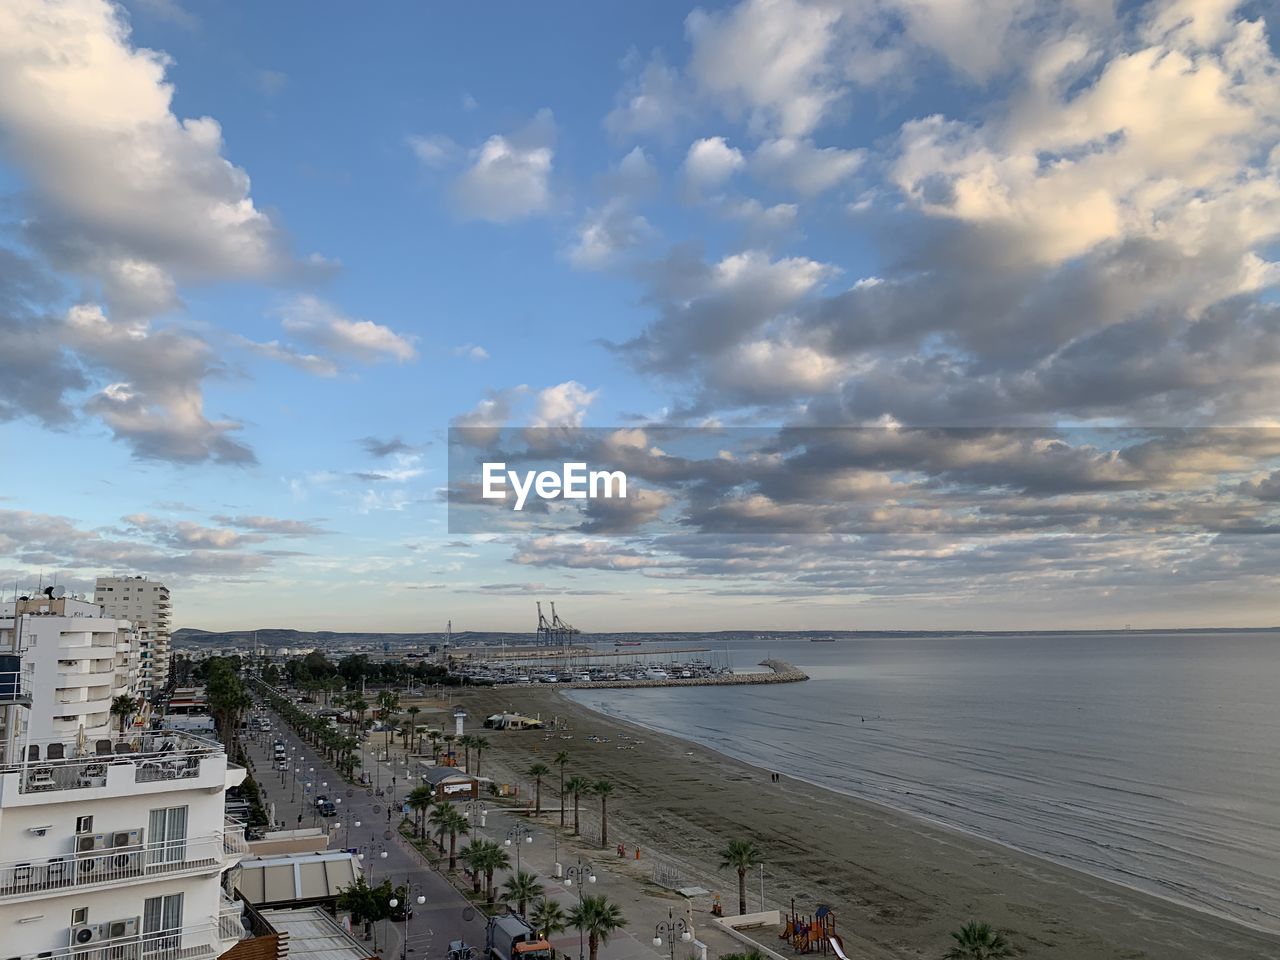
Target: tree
577	786
451	823
538	771
492	856
359	706
520	888
742	855
420	800
123	706
548	918
366	904
413	726
977	941
464	742
599	918
481	744
473	857
602	789
560	760
435	737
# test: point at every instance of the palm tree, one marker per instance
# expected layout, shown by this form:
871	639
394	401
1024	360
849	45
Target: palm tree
742	855
465	741
602	789
977	941
473	857
439	813
577	786
548	918
123	706
560	760
454	824
493	857
413	725
599	918
420	800
448	739
481	744
538	771
435	737
359	706
520	888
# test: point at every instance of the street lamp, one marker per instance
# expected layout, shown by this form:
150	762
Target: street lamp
413	893
475	811
519	834
582	874
667	929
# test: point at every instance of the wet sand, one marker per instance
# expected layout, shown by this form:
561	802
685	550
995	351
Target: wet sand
898	885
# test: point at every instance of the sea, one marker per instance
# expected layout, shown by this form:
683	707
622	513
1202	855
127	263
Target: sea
1149	759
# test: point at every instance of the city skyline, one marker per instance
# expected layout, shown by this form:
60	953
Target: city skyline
254	265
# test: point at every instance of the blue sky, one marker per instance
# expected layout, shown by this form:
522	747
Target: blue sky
255	261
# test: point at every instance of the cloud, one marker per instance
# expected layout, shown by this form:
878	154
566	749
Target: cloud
711	161
606	232
800	166
509	176
153	401
769	60
122	189
563	405
273	526
435	150
384	448
472	352
284	353
318	322
186	534
651	101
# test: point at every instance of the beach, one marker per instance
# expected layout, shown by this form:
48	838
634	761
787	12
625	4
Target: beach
898	884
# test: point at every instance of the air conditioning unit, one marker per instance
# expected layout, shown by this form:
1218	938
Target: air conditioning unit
127	838
126	862
120	928
83	933
91	842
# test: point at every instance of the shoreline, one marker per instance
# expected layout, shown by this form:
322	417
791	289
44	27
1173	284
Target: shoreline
899	882
936	823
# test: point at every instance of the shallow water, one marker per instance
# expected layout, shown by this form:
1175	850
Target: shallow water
1150	759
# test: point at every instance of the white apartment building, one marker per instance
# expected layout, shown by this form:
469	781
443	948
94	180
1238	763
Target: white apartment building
71	660
146	603
110	848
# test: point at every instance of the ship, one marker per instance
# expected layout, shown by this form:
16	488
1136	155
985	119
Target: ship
822	639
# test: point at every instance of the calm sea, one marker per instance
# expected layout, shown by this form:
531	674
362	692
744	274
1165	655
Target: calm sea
1150	759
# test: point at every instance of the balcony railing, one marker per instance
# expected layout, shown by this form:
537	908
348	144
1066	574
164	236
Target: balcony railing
163	755
234	843
196	942
231	920
111	865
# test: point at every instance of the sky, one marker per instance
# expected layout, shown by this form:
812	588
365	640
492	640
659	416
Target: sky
972	307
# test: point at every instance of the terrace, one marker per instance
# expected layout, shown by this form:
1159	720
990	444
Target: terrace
80	765
203	941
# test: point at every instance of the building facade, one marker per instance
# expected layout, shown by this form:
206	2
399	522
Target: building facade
146	603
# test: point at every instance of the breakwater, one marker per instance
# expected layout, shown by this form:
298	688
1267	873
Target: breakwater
779	672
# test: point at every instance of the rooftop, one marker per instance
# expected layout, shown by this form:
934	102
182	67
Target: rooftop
314	935
81	763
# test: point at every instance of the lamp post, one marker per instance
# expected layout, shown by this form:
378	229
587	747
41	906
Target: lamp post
667	930
582	874
476	812
519	834
412	894
377	851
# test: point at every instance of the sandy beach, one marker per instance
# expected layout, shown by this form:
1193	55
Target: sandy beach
898	885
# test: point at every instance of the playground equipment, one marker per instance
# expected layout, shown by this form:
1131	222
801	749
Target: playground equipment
813	933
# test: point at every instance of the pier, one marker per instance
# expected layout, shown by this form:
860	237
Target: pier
779	672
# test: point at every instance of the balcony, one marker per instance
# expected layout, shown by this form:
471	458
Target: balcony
234	844
231	920
145	758
111	866
203	941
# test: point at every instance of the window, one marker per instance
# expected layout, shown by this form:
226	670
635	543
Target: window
166	835
161	923
79	915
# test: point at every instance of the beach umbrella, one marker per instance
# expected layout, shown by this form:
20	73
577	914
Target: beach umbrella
82	742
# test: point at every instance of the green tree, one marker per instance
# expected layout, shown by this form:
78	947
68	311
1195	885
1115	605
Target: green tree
538	771
124	706
465	742
599	918
978	941
435	737
521	887
742	855
420	800
413	728
481	744
577	786
548	918
366	904
560	760
473	857
492	857
603	789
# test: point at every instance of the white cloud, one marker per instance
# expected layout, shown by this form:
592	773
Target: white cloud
710	161
320	323
650	102
769	59
434	150
284	353
122	187
563	405
509	177
472	352
605	232
800	166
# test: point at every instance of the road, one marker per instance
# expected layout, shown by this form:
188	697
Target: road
434	924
